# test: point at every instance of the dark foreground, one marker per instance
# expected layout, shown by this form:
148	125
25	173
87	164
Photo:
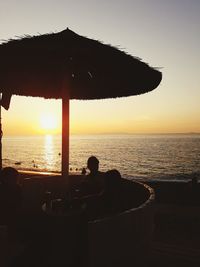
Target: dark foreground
176	239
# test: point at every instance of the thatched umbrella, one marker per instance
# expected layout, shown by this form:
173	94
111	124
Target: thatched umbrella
69	66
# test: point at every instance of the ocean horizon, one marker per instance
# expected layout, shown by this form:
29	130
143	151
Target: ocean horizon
137	156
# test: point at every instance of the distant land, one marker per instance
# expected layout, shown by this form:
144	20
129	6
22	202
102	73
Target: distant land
125	133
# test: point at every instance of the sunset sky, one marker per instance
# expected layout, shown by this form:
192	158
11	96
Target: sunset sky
165	34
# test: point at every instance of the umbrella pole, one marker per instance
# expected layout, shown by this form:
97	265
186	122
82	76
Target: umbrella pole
1	134
65	137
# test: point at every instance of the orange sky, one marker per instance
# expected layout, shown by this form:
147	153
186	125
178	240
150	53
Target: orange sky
97	117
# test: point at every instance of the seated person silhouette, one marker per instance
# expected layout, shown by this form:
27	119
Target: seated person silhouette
92	188
95	179
10	194
113	195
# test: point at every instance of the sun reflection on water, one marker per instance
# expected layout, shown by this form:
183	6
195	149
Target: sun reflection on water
49	149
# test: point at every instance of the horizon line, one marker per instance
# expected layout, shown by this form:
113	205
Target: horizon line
116	133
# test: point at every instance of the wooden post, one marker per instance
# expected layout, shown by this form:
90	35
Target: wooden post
1	134
65	135
65	130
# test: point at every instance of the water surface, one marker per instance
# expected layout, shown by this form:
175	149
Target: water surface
174	157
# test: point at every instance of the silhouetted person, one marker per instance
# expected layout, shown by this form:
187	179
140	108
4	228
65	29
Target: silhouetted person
112	180
95	179
114	193
10	194
93	165
91	189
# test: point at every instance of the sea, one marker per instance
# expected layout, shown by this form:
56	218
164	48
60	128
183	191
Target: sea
174	157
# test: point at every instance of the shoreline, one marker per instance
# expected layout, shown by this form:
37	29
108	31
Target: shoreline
38	173
175	179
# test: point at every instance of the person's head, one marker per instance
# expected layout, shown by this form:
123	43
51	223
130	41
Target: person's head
9	176
93	164
112	180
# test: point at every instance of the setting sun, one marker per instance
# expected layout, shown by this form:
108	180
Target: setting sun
48	122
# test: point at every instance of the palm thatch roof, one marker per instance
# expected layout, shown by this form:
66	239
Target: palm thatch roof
38	65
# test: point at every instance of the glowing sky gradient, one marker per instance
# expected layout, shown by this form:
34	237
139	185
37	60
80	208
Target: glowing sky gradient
163	33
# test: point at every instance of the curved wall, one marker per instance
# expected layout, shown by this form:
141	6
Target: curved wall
124	239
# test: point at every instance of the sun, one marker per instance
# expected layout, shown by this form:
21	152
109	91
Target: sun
48	122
